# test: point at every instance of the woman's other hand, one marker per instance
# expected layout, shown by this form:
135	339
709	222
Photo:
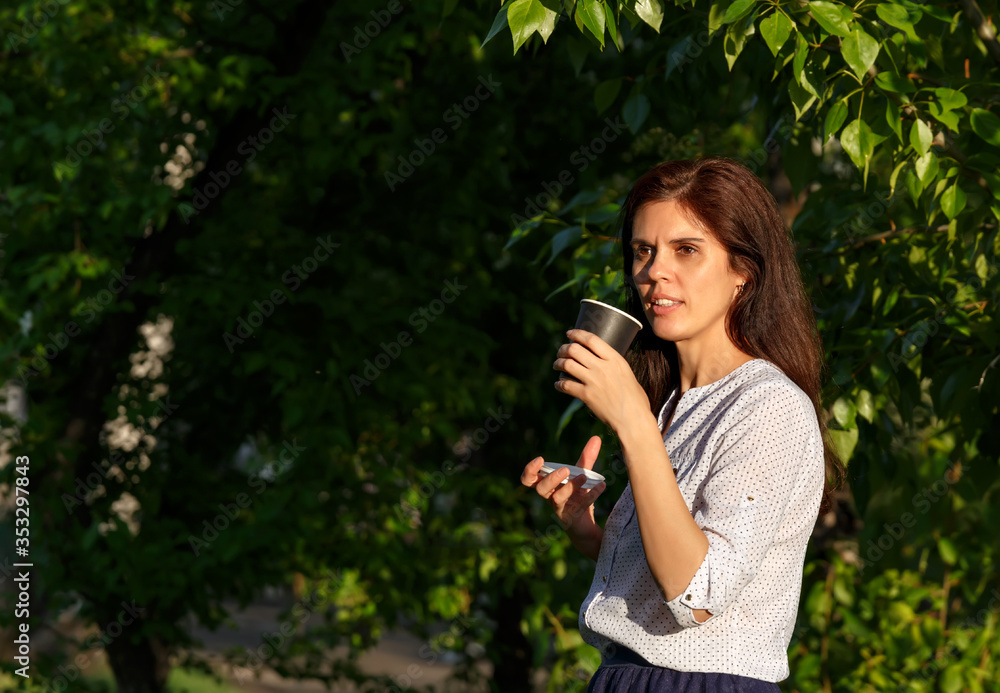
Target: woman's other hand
573	505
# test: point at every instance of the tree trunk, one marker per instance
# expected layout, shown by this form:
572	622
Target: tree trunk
512	653
139	667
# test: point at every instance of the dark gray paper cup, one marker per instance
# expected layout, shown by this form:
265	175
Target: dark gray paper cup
616	327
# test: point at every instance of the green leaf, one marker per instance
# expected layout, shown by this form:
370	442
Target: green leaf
844	412
859	50
894	15
716	13
866	405
952	201
776	29
609	22
893	178
523	230
525	17
649	11
888	80
950	99
562	240
801	99
678	56
835	117
844	443
737	10
948	118
858	141
927	168
814	73
949	554
499	22
606	93
913	184
567	415
952	680
635	110
552	12
921	136
799	61
987	125
591	13
736	38
833	17
893	118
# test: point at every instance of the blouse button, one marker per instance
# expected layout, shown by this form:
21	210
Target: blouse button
688	597
605	578
675	470
749	497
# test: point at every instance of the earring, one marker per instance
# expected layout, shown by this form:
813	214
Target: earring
741	287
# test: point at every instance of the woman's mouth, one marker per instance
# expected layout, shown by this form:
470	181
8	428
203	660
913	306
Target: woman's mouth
663	306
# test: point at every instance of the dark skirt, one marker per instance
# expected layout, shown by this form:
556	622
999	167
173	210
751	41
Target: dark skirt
627	672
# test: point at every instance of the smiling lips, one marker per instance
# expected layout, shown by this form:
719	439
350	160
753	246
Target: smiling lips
661	305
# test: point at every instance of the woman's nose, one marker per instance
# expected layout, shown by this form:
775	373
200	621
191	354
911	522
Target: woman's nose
659	267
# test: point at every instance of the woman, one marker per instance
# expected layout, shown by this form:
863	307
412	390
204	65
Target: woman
717	409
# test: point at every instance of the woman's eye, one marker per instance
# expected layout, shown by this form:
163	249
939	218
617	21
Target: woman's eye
642	251
684	248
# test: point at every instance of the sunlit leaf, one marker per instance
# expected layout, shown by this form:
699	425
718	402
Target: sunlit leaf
775	29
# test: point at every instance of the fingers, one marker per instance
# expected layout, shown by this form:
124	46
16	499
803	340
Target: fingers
571	500
590	451
529	477
545	485
549	484
571	352
594	344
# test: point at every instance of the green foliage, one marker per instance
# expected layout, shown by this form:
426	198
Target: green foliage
896	230
404	508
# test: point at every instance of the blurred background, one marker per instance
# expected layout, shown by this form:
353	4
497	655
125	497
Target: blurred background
281	285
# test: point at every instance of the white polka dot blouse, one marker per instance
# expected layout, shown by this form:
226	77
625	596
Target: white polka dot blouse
748	457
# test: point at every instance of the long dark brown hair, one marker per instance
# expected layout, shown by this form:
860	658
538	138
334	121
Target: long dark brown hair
729	201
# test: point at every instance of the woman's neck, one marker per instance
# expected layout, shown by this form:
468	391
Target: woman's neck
699	367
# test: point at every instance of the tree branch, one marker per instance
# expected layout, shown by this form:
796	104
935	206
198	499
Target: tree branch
984	29
156	254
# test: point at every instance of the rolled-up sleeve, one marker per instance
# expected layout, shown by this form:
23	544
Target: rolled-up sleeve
756	469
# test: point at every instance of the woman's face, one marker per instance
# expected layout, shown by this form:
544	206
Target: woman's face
682	274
